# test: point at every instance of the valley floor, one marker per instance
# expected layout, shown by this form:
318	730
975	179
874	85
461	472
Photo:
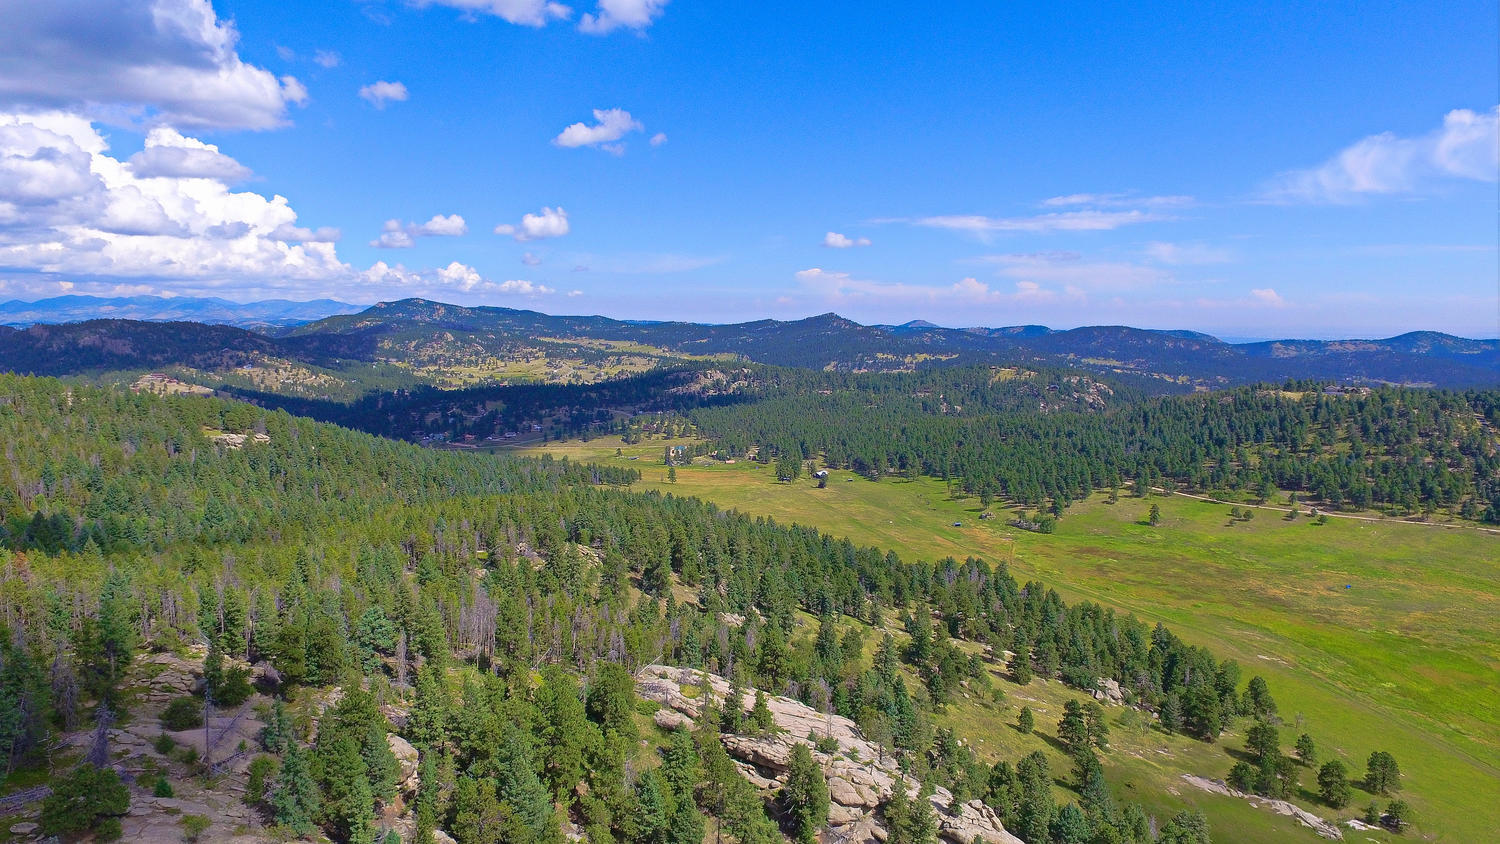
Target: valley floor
1373	635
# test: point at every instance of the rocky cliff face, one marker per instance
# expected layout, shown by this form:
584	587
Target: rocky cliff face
860	775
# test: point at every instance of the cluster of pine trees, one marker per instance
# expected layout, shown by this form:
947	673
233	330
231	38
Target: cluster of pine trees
1047	439
505	604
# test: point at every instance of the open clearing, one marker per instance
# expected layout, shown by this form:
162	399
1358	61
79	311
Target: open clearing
1373	636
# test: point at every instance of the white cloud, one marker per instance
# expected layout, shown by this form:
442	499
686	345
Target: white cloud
67	207
165	61
834	240
550	222
630	14
840	288
1181	254
327	58
524	288
530	259
394	235
1071	271
168	154
439	226
293	91
573	294
1070	221
1466	147
456	277
1267	296
536	13
1115	200
610	126
658	139
382	92
297	234
72	217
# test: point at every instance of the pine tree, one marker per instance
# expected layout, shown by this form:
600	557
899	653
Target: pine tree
1037	806
518	784
1382	775
294	799
564	727
1333	784
761	719
805	797
428	722
1020	664
1026	722
1307	752
83	799
1072	730
651	816
1185	828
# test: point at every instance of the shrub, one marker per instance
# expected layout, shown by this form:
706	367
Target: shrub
163	744
194	826
85	800
234	689
163	788
262	769
184	713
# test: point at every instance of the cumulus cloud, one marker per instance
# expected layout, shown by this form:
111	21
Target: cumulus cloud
617	14
1267	296
536	13
327	58
834	240
68	207
394	235
382	92
456	277
169	154
163	61
530	259
75	218
610	125
549	222
1183	254
658	139
523	288
1466	147
298	234
1059	221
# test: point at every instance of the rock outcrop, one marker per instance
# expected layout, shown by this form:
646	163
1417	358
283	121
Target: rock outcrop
861	776
406	761
1325	828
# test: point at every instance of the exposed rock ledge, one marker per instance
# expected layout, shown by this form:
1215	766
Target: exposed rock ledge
860	775
1325	828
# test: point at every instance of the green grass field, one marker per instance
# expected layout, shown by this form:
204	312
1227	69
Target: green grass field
1373	636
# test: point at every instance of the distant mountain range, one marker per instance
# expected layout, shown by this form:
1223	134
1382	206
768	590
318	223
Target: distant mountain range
265	314
399	332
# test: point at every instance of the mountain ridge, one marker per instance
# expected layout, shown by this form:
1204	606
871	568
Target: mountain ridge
395	331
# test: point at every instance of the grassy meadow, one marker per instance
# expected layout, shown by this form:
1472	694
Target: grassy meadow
1373	636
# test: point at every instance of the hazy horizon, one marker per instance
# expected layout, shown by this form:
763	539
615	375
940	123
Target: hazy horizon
1225	337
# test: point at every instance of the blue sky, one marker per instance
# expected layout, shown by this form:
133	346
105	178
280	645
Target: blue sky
1249	170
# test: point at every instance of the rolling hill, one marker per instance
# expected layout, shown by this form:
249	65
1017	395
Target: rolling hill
452	345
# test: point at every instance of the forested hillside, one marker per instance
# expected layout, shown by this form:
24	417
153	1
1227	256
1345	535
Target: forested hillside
503	604
415	342
1046	439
